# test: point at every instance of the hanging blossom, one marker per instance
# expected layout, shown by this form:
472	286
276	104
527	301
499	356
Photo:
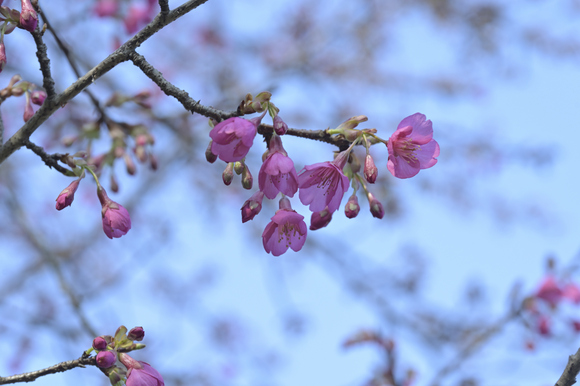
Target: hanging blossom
232	138
412	147
323	184
66	197
140	373
277	173
286	230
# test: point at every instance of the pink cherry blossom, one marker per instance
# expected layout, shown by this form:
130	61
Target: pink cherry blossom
324	184
277	173
116	220
412	147
572	293
66	197
140	373
550	291
233	138
136	18
286	230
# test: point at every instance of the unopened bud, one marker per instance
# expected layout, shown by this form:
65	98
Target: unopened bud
238	167
2	55
280	127
376	207
99	343
106	359
131	168
247	179
370	170
252	206
228	174
320	219
136	333
153	161
38	97
114	184
352	207
209	156
28	16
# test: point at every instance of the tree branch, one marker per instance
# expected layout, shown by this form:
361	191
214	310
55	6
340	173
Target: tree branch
572	369
58	368
51	104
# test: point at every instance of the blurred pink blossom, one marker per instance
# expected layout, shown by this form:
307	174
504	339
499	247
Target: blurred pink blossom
28	16
106	8
550	291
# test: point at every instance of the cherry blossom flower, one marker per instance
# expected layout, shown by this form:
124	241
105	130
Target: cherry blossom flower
66	197
277	173
116	220
286	230
323	184
571	292
412	147
233	138
140	373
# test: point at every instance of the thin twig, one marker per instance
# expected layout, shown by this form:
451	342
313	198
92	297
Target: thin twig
58	368
164	5
51	160
571	371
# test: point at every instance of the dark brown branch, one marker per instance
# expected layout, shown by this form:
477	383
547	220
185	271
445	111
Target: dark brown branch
44	61
58	368
51	160
164	5
571	371
171	90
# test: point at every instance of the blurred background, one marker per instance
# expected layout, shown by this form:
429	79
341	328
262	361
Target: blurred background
444	290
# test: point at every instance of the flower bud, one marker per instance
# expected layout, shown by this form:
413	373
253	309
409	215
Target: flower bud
116	220
252	206
209	156
247	179
38	97
280	127
153	161
140	153
228	174
352	207
28	16
136	333
106	359
320	219
99	343
66	197
376	207
238	167
114	184
370	170
28	111
2	55
129	164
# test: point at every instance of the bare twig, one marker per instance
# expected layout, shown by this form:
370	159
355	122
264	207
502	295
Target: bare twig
58	368
51	160
572	369
164	5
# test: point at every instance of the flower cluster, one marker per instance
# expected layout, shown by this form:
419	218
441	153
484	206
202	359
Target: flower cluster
320	186
553	297
115	218
113	349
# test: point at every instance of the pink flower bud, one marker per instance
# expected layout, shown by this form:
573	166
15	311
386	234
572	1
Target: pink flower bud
129	164
99	343
280	127
352	207
136	333
228	174
370	170
320	219
106	359
38	97
153	161
116	220
2	55
106	8
66	197
28	16
376	207
252	206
